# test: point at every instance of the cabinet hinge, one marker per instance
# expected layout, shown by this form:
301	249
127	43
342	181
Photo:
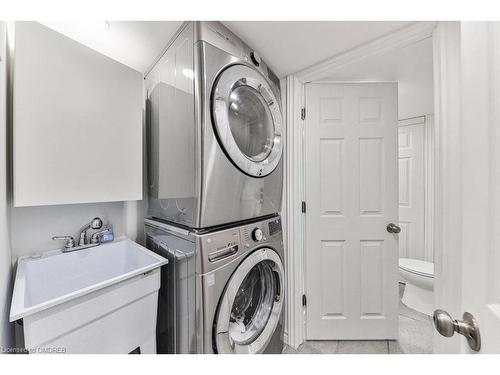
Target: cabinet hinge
304	300
304	207
303	113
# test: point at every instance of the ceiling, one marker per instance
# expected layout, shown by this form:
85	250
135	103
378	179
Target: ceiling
134	43
291	46
287	46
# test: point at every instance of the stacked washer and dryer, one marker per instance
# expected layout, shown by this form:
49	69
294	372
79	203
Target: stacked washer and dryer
214	131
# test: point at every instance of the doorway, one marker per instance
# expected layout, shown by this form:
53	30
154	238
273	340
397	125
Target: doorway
404	66
416	251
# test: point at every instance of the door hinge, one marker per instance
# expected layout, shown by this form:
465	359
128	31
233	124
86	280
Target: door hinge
304	207
304	300
303	113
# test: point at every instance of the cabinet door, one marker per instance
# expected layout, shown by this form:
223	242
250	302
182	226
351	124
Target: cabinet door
77	122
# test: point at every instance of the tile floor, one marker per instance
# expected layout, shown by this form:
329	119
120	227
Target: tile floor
415	337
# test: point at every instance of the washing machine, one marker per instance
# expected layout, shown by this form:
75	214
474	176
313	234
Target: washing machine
223	291
214	131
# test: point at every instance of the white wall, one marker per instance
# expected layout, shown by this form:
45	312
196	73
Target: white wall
410	66
33	227
5	265
416	89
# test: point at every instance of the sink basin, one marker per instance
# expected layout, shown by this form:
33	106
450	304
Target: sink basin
102	299
52	278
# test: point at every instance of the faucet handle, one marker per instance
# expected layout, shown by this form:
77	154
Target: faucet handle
104	235
70	241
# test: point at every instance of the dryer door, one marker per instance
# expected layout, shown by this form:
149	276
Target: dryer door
247	120
251	305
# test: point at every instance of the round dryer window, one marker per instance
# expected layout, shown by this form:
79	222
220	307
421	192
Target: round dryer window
251	305
247	120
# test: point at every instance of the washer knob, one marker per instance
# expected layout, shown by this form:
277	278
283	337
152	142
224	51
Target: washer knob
257	234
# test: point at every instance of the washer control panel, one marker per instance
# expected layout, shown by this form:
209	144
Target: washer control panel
257	235
221	245
274	226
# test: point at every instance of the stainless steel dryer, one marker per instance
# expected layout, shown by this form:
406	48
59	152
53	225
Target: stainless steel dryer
214	131
223	291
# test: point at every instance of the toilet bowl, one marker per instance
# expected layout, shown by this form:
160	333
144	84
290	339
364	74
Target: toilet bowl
418	275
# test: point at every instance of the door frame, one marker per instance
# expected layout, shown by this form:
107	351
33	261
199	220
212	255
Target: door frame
466	179
294	219
428	122
448	177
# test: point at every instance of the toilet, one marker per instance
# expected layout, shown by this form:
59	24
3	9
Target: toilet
418	275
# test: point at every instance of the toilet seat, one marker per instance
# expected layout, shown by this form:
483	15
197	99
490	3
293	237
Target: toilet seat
417	267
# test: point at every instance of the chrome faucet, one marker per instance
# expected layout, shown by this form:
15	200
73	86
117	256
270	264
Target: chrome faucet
96	223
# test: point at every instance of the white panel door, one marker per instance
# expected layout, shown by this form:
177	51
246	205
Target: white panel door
412	188
351	187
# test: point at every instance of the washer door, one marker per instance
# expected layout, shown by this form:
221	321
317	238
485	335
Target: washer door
247	120
251	305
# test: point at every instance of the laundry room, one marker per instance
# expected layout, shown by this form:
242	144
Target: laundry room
301	187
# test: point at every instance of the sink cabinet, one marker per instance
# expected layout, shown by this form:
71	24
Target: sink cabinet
102	299
116	319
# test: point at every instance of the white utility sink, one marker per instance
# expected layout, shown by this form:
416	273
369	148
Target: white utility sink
64	297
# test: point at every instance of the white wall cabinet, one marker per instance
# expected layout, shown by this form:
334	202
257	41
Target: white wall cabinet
77	122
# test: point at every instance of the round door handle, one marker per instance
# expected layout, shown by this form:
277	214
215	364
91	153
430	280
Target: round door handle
467	327
393	228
